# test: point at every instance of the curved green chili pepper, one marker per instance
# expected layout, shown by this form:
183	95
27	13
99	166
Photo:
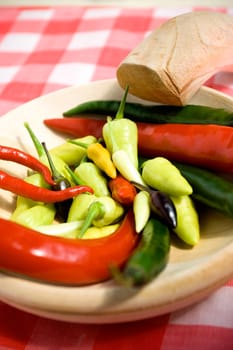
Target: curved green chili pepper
209	188
149	258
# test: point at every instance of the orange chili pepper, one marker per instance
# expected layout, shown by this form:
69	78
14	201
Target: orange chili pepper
122	190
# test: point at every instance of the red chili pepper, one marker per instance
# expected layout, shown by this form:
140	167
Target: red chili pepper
210	146
18	156
122	190
36	193
77	126
62	260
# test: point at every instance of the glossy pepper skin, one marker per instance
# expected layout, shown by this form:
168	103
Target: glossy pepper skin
90	175
210	146
24	189
20	157
122	190
61	260
100	155
209	188
157	114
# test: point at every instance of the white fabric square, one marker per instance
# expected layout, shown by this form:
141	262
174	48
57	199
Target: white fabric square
36	14
204	313
167	12
19	42
7	74
85	40
72	73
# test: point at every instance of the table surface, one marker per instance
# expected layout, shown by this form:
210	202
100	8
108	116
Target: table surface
40	48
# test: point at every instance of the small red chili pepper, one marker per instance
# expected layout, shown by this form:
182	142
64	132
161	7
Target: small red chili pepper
36	193
16	155
122	190
210	146
62	260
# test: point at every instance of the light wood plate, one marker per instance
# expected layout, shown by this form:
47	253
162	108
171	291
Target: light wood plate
191	274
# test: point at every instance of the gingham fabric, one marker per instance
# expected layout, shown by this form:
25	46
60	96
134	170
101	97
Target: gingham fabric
43	49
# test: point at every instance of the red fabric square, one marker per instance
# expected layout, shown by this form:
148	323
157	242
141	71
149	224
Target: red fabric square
21	91
59	27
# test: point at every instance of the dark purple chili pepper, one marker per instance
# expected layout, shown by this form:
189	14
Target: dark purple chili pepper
160	204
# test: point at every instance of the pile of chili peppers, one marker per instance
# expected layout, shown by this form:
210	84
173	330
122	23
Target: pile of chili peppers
119	182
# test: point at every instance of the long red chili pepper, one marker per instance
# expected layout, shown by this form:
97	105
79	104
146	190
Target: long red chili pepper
210	146
77	126
18	156
62	260
36	193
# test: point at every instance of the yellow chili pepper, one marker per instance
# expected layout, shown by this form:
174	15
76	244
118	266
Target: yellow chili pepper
102	158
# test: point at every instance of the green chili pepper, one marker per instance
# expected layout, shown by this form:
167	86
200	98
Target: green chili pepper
103	211
122	134
89	174
159	114
41	214
61	183
125	167
160	204
149	258
59	164
71	230
23	203
79	207
141	210
209	188
187	220
73	154
159	173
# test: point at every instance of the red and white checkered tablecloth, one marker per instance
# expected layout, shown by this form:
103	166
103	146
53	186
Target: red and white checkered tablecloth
43	49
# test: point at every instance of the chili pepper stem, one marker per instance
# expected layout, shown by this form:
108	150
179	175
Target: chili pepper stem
56	175
120	112
74	176
96	210
38	146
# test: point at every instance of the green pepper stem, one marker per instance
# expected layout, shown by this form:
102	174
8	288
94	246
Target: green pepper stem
56	175
74	177
141	187
96	210
77	143
38	146
120	112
